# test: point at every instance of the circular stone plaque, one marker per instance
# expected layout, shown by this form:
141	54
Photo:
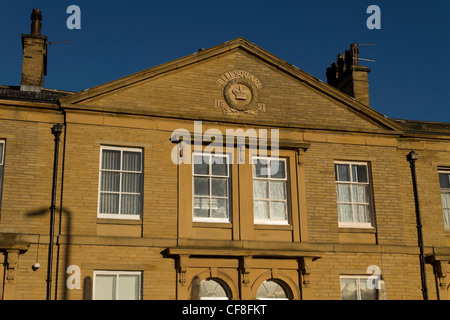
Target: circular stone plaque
240	94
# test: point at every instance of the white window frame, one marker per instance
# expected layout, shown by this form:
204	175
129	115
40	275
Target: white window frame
119	215
210	197
366	225
444	190
117	274
285	180
358	288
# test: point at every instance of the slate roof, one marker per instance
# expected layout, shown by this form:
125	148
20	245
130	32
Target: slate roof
45	96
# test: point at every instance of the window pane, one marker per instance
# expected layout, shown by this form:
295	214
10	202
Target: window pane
278	169
219	187
360	193
105	287
280	293
109	203
361	213
345	213
366	293
277	190
260	189
447	217
201	207
278	211
343	193
131	182
130	204
219	208
128	287
201	186
445	199
110	181
219	166
359	173
349	289
446	206
111	160
342	172
201	164
260	168
444	180
131	161
261	210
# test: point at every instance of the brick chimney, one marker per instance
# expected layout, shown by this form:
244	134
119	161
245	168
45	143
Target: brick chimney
34	65
349	77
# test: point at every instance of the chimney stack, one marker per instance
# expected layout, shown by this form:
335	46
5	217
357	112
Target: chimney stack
34	65
349	77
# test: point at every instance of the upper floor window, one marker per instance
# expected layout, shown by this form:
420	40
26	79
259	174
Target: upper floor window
211	185
117	285
444	181
120	186
270	196
353	194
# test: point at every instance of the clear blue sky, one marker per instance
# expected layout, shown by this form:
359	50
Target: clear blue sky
409	80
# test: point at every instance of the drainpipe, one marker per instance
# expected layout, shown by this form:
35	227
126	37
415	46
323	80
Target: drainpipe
412	157
56	131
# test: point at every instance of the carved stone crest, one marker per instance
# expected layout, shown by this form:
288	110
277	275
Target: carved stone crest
240	93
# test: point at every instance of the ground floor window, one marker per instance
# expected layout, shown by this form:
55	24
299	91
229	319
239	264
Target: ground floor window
117	285
356	288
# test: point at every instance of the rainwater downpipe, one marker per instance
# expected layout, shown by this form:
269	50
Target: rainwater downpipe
56	131
412	157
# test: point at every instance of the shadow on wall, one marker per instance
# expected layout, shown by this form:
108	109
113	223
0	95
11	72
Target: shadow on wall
87	288
43	211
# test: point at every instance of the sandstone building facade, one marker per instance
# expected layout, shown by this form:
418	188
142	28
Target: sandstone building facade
312	196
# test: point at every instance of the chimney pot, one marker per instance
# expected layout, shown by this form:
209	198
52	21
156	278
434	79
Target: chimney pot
349	77
36	24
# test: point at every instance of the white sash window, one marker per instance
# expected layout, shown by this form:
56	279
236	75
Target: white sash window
120	183
444	181
353	192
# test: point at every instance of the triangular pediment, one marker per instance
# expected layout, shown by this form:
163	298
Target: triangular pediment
235	82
